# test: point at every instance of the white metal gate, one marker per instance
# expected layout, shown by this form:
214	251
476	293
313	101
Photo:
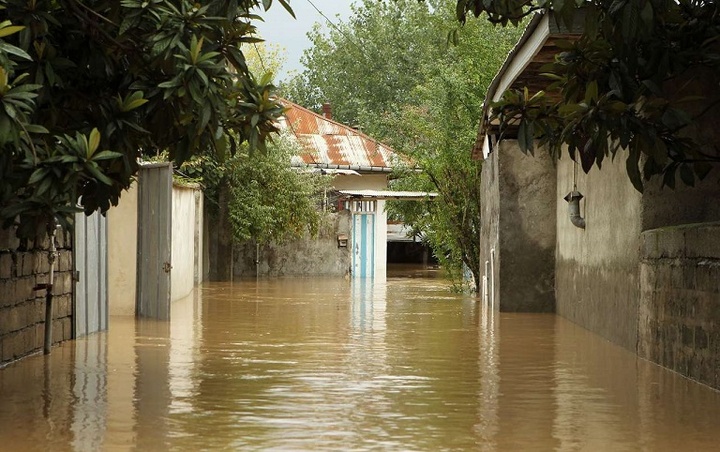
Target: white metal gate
90	313
154	240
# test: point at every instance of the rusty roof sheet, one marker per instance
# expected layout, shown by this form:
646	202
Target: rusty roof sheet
330	144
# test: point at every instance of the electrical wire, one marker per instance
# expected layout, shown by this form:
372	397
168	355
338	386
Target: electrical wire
338	29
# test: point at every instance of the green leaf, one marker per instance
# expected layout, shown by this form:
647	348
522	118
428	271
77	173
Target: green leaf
285	4
94	141
7	31
95	172
107	155
11	49
687	176
633	169
134	104
702	169
37	176
591	92
34	128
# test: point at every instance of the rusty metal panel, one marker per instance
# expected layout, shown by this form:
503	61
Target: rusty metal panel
90	310
327	142
154	241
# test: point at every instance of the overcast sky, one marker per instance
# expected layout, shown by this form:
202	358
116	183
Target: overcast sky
280	28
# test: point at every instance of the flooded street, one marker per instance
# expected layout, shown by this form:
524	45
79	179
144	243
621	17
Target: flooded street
330	364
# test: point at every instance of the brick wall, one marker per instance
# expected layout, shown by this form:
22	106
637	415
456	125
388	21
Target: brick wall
22	309
679	312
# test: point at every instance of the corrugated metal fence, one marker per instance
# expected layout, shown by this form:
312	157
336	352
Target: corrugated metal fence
91	301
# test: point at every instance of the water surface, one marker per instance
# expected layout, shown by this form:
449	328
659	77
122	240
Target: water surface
330	364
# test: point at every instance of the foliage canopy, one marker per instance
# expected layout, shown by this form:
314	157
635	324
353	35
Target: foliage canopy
391	70
87	86
642	76
266	201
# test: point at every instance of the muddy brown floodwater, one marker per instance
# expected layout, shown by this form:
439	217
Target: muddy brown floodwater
328	364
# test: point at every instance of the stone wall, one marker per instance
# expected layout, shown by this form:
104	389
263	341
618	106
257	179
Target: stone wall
679	316
22	309
308	256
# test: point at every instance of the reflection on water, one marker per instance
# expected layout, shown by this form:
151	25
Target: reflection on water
327	364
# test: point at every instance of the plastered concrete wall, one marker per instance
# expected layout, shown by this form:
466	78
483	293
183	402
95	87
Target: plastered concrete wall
525	253
663	206
22	309
679	314
306	257
490	226
373	181
122	253
184	223
597	268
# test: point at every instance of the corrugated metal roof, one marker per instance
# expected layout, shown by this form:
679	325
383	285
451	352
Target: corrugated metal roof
329	144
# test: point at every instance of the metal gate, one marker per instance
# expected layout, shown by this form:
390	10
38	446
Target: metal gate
154	240
363	239
90	312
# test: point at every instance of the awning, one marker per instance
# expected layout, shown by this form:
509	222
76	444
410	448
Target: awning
388	194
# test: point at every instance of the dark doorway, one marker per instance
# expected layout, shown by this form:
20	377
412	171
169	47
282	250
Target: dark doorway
410	253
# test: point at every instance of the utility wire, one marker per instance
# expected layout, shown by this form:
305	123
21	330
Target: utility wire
338	29
262	63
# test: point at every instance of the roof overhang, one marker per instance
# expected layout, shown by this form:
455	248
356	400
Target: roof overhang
338	168
523	66
387	194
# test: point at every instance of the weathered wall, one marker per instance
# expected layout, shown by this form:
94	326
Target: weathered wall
597	267
489	227
122	253
305	257
22	309
682	205
526	247
679	316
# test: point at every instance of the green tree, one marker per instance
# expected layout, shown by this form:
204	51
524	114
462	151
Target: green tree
391	70
258	197
86	87
266	199
642	77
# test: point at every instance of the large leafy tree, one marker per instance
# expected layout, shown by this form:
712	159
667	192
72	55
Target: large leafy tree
86	87
265	199
257	197
391	70
642	76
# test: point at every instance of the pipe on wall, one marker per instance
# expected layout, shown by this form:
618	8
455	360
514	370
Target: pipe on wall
573	199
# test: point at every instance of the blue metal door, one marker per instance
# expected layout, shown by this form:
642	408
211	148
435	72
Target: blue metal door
363	245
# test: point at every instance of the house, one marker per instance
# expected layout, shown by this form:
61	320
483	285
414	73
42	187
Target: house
643	272
355	241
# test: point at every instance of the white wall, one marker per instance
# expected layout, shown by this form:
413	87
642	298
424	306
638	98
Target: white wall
182	279
187	268
122	253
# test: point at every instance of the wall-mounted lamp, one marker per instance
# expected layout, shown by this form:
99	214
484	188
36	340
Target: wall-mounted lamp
573	198
342	240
